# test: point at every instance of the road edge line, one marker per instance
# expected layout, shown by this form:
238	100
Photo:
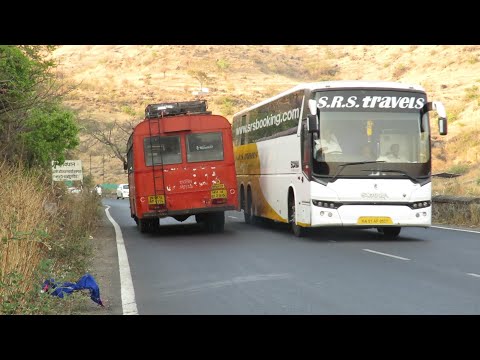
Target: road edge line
129	305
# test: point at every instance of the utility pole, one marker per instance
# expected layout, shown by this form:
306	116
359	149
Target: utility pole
103	163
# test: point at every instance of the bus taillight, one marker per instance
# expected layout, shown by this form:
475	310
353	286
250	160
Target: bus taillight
219	201
156	206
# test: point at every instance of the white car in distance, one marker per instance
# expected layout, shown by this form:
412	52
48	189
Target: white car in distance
123	191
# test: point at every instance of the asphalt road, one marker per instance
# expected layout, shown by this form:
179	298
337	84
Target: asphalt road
264	269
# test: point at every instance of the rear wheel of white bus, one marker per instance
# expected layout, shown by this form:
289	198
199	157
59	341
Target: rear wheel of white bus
248	211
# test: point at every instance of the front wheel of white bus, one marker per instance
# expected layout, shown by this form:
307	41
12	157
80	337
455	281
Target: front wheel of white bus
297	230
390	232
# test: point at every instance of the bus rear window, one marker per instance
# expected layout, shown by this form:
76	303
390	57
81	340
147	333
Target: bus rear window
162	150
204	147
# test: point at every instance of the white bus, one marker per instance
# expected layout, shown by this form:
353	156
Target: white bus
338	153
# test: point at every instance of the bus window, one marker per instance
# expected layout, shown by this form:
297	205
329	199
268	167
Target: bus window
165	149
244	124
204	147
130	160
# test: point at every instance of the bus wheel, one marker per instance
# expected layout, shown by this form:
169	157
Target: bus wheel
143	225
200	218
154	225
216	222
248	211
148	225
298	231
241	193
390	232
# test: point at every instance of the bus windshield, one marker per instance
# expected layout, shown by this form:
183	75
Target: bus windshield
391	139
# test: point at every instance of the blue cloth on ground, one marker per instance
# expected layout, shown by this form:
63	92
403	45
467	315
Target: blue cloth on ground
85	282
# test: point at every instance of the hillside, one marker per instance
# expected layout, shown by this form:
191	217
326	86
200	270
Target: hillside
117	82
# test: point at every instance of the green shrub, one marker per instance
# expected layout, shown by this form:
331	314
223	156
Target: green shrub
128	110
459	169
472	93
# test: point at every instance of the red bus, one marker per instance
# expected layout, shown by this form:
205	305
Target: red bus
180	163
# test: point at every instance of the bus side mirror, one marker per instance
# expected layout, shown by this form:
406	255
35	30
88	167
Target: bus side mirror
312	121
312	124
442	115
442	126
312	106
125	166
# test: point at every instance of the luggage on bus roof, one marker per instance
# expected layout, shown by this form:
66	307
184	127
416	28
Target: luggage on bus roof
175	108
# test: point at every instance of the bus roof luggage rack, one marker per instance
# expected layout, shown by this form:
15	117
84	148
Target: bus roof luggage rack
176	108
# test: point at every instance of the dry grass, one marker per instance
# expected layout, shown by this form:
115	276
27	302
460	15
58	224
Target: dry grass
23	220
458	214
44	233
22	215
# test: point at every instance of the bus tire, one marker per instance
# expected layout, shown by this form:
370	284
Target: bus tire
390	232
216	222
297	230
154	224
143	225
248	212
241	200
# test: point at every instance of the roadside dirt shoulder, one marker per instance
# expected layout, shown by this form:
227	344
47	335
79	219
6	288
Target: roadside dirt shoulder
105	271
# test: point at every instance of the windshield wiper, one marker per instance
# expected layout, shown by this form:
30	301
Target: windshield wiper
341	167
395	171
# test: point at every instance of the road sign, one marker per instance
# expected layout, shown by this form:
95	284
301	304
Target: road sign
70	170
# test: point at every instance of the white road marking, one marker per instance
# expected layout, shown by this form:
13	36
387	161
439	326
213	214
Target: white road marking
234	281
472	274
128	293
232	217
384	254
446	228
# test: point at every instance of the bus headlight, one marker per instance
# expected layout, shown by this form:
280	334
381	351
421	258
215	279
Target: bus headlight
419	205
326	204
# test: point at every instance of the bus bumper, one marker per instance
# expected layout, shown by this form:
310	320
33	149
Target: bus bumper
371	216
165	213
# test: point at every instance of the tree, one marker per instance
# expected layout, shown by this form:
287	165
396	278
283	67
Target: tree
26	77
112	134
223	65
50	132
33	125
199	75
163	67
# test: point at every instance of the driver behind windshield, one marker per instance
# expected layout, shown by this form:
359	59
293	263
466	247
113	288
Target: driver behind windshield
327	144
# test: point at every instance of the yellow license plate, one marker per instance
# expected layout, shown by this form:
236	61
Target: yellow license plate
219	194
218	186
160	199
374	220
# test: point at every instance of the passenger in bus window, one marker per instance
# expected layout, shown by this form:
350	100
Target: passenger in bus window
393	155
327	144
